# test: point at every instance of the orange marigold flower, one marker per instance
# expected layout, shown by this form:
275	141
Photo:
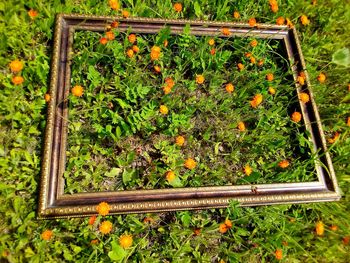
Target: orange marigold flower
319	228
110	35
304	20
178	7
196	231
289	23
247	170
92	220
190	163
229	87
114	24
17	80
125	241
5	253
165	43
223	228
254	43
33	13
228	223
225	31
335	138
241	126
252	60
169	82
236	14
248	55
348	122
273	2
114	4
200	79
135	48
269	77
280	20
333	227
272	91
261	62
256	101
166	90
285	243
278	254
16	66
180	140
156	49
106	227
157	69
170	176
304	97
125	13
94	242
132	38
240	66
103	40
148	220
301	80
321	78
77	91
47	235
103	209
130	53
346	240
155	55
252	22
47	97
163	109
296	116
213	51
283	164
274	8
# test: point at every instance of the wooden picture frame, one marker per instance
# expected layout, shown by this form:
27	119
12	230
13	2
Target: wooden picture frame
53	203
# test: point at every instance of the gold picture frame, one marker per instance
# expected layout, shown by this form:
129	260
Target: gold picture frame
53	203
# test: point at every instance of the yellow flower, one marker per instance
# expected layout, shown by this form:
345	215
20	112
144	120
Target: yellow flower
272	91
223	228
163	109
229	87
240	66
200	79
280	20
47	97
157	69
180	140
47	235
269	77
256	101
132	38
106	227
170	176
348	122
130	53
125	241
166	89
103	209
114	4
304	20
247	170
77	91
319	228
190	163
211	42
321	78
236	14
16	66
241	126
304	97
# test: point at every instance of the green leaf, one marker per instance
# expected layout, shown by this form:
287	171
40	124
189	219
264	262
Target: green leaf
117	253
113	172
127	175
341	57
197	9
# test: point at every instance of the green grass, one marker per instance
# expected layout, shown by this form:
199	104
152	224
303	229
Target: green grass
256	232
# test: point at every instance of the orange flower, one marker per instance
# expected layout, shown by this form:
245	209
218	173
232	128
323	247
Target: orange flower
274	8
241	126
285	243
304	20
280	20
155	49
240	66
228	223
272	91
278	254
165	43
200	79
261	62
170	176
132	38
157	69
190	163
346	240
335	138
283	164
289	23
17	80
296	116
148	220
236	14
252	22
92	220
254	43
166	90
103	40
47	235
213	51
114	4
333	227
348	87
225	31
16	66
256	101
77	91
196	231
94	242
155	55
115	24
178	7
269	77
47	97
130	53
106	227
125	241
163	109
304	97
301	78
135	48
125	13
103	209
321	78
248	55
180	140
252	60
223	228
169	82
229	87
319	228
247	170
33	13
348	122
110	35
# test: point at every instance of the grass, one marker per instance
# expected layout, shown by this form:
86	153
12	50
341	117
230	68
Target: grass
169	237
